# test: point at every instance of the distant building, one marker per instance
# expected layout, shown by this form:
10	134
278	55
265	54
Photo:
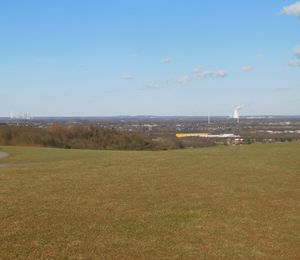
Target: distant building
192	135
206	135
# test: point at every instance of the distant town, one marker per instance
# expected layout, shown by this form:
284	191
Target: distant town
190	130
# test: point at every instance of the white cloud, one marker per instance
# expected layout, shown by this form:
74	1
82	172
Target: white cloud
294	63
293	9
198	70
200	73
214	74
203	73
128	77
183	80
153	85
166	61
247	68
297	51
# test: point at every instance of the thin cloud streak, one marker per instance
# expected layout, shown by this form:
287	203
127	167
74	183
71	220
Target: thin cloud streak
166	61
282	89
247	68
128	77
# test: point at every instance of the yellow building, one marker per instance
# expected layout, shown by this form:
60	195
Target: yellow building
182	135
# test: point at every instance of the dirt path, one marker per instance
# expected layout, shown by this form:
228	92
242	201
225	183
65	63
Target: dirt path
3	155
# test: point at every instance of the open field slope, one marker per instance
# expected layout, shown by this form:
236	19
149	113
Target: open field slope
211	203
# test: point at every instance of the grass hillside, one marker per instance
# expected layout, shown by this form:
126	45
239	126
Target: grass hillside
211	203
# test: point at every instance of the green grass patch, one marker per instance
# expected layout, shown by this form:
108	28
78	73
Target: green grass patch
211	203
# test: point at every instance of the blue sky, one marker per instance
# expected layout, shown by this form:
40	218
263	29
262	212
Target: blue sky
158	57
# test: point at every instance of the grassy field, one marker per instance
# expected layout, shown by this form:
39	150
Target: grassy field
210	203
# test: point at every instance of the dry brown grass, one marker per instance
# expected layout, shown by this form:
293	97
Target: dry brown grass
211	203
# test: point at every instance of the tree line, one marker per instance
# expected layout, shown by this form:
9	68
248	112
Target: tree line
75	137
